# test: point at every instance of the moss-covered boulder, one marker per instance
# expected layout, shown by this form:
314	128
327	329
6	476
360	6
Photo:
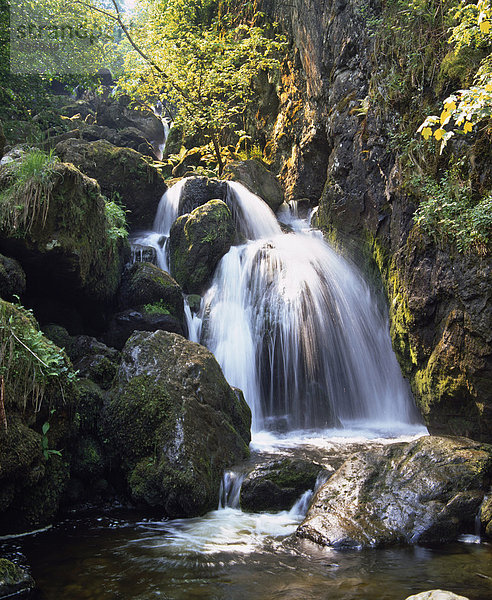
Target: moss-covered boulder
128	137
12	278
197	242
146	284
35	424
257	179
429	490
13	579
122	173
63	232
174	423
276	485
486	516
117	115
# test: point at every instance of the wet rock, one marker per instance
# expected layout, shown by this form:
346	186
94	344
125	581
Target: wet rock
142	253
122	173
12	278
258	180
125	323
197	242
276	485
436	595
428	490
174	423
13	580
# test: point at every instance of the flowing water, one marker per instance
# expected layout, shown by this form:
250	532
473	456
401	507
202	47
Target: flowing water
297	329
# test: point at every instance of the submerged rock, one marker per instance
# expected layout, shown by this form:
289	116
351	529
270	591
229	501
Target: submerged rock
258	180
13	579
428	490
174	423
197	242
277	484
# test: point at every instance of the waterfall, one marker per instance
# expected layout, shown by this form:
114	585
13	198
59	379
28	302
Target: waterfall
294	325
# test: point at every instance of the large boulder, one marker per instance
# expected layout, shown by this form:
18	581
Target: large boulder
174	423
277	484
60	229
257	179
122	173
428	490
197	242
129	137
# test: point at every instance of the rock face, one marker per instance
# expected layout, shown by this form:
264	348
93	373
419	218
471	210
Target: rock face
174	423
428	490
119	171
332	144
197	242
257	179
277	485
436	595
199	190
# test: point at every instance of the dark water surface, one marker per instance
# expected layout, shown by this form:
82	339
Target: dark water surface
229	555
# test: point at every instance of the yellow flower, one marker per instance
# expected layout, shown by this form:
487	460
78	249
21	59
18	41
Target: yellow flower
485	26
468	127
439	133
450	106
445	116
426	132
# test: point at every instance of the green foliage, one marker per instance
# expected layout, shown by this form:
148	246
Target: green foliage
29	362
47	451
157	308
27	194
116	218
466	108
449	214
204	60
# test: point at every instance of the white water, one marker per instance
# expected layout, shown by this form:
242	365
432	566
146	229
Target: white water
293	324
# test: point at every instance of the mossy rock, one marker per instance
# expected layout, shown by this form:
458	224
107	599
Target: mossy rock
122	173
278	484
174	424
197	242
146	284
13	579
66	245
257	179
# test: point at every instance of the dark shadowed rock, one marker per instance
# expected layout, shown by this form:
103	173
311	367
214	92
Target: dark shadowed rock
174	423
126	322
429	490
197	242
12	278
199	190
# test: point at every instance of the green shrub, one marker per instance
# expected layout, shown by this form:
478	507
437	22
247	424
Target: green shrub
449	214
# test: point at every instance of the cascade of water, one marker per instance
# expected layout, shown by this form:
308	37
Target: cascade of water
230	489
294	325
301	506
